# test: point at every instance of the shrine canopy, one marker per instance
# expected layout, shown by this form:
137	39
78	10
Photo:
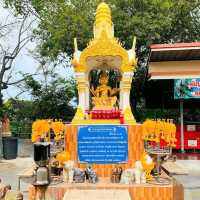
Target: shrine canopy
175	61
104	51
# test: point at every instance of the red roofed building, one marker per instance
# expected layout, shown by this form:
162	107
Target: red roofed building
166	63
174	61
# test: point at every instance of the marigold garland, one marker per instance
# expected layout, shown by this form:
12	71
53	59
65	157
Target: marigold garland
41	129
58	128
157	130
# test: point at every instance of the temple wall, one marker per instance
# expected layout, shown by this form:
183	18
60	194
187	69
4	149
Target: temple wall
135	149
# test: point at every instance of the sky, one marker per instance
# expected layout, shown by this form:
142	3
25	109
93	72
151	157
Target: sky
24	61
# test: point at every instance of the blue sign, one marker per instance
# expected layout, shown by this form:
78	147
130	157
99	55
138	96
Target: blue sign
103	144
187	88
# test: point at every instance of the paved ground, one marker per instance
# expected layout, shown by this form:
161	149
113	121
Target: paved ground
97	195
191	182
9	170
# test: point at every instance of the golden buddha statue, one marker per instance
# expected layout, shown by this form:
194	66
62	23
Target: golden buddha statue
103	95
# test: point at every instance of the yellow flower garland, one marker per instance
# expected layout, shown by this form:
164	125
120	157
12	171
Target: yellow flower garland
41	128
58	128
155	130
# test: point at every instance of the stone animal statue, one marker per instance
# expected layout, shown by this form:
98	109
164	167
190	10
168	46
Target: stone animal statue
13	195
79	176
68	171
116	175
3	190
128	176
143	169
139	173
7	194
91	174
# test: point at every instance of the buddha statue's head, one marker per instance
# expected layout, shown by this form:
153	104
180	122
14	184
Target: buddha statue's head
103	79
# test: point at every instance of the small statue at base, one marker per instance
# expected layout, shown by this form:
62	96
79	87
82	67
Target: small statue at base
68	171
79	176
90	174
128	176
116	175
139	173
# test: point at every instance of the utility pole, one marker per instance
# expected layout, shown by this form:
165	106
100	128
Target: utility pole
1	143
182	125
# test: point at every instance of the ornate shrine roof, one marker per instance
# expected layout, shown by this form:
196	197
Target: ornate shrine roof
104	50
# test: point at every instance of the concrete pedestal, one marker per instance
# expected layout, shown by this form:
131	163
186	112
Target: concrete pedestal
173	191
135	149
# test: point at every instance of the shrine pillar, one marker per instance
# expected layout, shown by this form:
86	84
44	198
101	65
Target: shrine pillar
82	95
87	96
82	89
125	87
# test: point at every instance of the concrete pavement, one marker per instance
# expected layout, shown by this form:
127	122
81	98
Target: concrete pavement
191	182
9	170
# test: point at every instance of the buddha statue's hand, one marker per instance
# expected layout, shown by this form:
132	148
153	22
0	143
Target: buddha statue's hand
92	90
115	90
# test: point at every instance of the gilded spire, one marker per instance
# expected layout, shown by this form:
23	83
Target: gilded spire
103	20
103	14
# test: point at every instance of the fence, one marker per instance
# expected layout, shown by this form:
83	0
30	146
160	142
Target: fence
21	129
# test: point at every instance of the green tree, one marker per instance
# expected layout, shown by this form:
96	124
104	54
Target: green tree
56	100
19	110
152	21
20	114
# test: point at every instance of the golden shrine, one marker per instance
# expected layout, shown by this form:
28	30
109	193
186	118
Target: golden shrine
106	105
104	52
